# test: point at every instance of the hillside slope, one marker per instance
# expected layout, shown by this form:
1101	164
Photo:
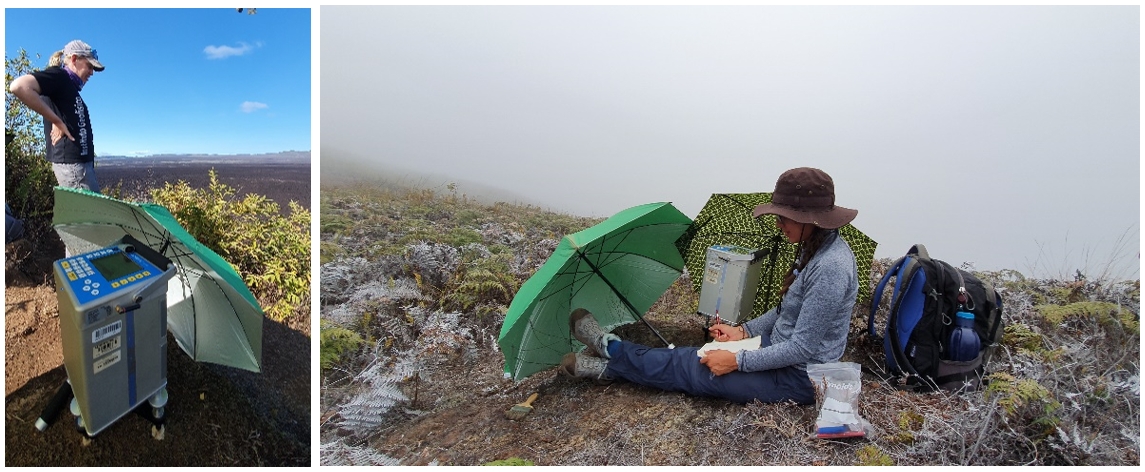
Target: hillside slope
414	289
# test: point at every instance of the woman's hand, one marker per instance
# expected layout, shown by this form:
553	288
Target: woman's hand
720	361
723	333
59	130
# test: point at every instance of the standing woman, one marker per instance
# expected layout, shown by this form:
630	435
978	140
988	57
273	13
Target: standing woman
54	93
809	326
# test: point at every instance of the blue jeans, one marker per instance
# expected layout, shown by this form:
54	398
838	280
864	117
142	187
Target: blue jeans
680	370
76	175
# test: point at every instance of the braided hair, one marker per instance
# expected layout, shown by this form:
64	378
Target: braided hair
806	251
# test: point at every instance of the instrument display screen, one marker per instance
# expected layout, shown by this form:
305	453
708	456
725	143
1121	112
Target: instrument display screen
115	266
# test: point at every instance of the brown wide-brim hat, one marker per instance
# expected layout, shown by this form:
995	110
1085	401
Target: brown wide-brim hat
807	195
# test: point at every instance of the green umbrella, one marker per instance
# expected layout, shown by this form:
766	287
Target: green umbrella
616	269
211	312
726	219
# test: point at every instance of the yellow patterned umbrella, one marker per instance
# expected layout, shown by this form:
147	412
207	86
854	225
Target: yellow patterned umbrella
726	219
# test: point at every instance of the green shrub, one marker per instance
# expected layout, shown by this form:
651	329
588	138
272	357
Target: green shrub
1026	401
909	422
484	286
458	237
871	455
270	251
336	342
329	251
418	230
468	217
1104	312
28	176
1024	339
335	223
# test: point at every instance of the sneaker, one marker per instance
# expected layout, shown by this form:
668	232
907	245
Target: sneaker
585	366
585	329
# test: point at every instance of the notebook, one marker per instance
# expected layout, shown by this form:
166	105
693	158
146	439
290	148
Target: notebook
733	346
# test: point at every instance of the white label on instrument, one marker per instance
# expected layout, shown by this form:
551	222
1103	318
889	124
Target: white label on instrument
104	363
105	347
107	331
712	275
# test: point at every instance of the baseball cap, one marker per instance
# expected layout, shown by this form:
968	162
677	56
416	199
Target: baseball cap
80	48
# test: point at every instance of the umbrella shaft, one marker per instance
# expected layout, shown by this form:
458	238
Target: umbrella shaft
621	296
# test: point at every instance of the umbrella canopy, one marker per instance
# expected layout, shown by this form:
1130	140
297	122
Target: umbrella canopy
210	311
616	269
726	219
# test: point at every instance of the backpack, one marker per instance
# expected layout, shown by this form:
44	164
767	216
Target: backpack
927	294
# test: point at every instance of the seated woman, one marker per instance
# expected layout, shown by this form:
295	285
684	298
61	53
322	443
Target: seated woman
809	326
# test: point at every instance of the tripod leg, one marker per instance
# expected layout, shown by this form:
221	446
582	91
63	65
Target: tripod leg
52	410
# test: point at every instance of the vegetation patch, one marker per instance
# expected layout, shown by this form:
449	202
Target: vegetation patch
1027	401
1103	312
513	461
28	177
270	251
870	455
336	343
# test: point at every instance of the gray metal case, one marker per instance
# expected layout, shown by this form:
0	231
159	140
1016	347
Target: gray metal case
114	360
730	282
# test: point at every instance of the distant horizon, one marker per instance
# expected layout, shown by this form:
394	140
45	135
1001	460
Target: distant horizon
196	154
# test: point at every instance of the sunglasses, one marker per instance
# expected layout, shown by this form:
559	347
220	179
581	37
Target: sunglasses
780	219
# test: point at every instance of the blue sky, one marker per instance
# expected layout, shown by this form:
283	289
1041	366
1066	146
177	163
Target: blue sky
184	80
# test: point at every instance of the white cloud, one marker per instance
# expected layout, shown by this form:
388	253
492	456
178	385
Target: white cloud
223	52
251	107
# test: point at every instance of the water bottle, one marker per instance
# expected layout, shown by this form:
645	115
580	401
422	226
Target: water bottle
964	343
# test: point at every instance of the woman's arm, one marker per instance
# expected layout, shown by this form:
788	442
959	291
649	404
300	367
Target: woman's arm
27	89
760	325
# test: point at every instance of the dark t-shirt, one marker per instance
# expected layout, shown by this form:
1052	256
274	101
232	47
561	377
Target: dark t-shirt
57	87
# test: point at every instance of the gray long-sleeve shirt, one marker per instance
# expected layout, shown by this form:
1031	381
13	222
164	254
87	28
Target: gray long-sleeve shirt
815	313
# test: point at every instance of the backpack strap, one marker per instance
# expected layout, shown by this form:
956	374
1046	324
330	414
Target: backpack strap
997	306
878	295
963	297
897	345
919	250
994	319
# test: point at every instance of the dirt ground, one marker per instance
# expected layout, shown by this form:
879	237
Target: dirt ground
573	421
216	416
458	418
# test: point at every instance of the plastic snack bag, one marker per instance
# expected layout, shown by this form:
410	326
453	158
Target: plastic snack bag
837	387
